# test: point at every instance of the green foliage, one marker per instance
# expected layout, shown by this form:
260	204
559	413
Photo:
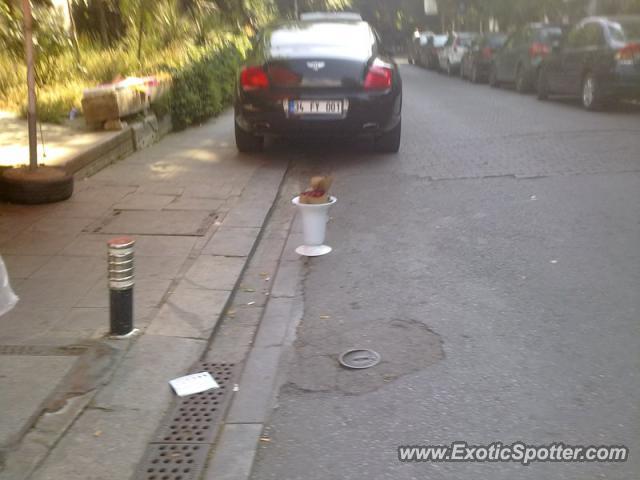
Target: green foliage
10	31
50	42
204	87
287	7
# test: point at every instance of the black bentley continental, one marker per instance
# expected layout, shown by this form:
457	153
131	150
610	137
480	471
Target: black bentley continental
322	76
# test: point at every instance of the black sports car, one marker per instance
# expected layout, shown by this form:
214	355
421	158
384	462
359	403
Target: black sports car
327	77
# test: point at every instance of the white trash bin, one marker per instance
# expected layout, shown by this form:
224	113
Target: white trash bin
8	299
314	227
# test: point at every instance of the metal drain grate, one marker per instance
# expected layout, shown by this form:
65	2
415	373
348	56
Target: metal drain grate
196	417
180	447
173	462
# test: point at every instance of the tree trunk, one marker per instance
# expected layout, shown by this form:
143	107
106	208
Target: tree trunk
31	84
102	22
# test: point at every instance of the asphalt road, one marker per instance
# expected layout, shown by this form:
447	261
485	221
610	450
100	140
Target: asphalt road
495	265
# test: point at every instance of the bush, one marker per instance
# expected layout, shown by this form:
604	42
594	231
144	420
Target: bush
203	68
54	104
205	87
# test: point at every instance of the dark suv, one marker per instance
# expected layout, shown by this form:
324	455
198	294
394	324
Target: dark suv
597	61
519	60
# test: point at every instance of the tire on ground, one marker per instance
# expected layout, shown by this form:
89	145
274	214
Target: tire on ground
389	142
247	142
542	86
598	100
43	185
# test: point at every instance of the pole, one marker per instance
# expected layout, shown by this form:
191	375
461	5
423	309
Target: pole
121	281
31	84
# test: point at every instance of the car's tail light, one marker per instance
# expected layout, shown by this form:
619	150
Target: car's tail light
487	52
629	54
253	78
378	78
539	50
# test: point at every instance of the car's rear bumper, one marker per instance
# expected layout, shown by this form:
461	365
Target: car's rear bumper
367	113
483	67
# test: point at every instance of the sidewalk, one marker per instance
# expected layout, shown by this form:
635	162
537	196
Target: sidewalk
196	208
62	143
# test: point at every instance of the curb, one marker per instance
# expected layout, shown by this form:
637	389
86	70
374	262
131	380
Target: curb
233	455
135	137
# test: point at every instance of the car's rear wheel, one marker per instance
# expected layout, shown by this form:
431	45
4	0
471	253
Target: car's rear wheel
493	77
521	81
389	142
592	97
247	142
543	85
474	74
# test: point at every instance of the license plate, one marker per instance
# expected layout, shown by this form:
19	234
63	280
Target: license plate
315	107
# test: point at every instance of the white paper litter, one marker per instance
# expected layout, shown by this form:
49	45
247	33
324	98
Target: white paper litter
195	383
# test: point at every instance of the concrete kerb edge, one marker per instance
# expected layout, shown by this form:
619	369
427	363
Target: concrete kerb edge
250	255
67	396
124	144
226	446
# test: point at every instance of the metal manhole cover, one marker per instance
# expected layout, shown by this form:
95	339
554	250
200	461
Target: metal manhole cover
360	358
173	462
196	418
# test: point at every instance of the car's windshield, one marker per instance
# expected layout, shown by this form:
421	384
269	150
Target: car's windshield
344	38
440	40
496	41
549	34
466	40
625	31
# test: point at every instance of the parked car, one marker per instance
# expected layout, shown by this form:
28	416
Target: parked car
450	55
477	60
318	77
412	47
599	60
519	60
430	53
416	46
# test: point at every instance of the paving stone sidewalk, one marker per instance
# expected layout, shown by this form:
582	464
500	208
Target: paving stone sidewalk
57	144
196	208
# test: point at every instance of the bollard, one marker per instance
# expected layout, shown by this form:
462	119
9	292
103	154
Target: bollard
121	273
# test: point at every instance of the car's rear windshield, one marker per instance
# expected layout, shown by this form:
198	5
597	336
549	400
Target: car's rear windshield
548	34
496	41
440	40
313	38
625	30
466	40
